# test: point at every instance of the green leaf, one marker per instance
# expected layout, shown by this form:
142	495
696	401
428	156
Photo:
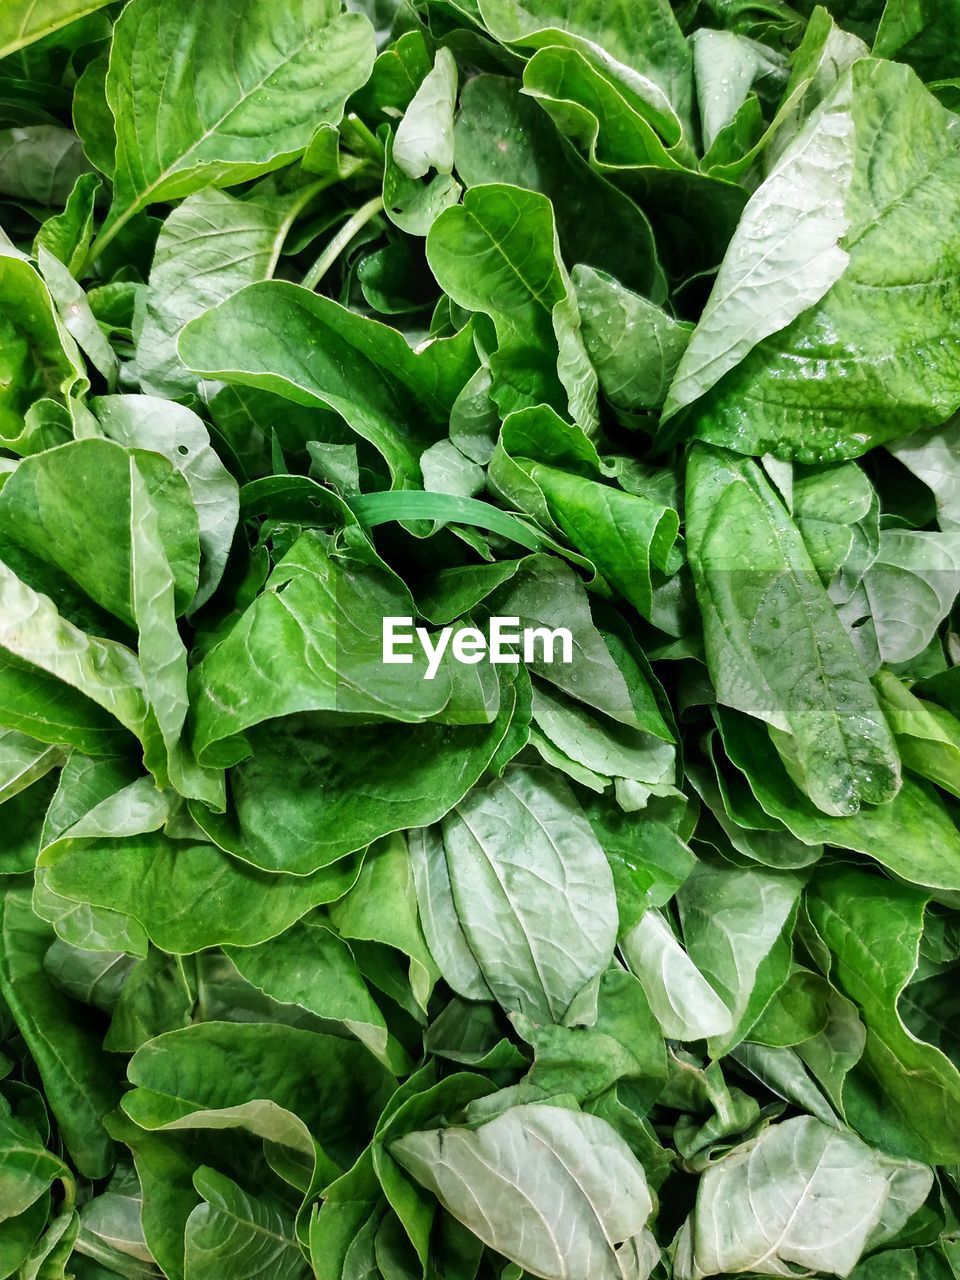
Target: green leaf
163	657
22	761
397	74
798	1011
794	221
825	54
37	642
547	594
904	595
543	925
24	21
683	1002
934	458
649	859
411	205
424	137
876	157
725	67
647	41
311	793
67	235
54	508
79	1084
19	1236
77	317
23	819
446	470
634	345
557	1192
605	748
209	248
27	1169
623	1044
164	1163
314	352
913	835
445	935
906	1102
325	615
84	785
156	997
498	253
382	907
149	876
628	538
502	136
51	1253
737	925
750	830
775	646
92	117
802	1194
416	1103
836	510
927	735
292	1087
144	422
249	104
311	966
414	504
913	33
92	977
832	1054
40	163
632	136
110	1232
235	1233
39	359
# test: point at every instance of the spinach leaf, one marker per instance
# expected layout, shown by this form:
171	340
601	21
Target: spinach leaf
479	713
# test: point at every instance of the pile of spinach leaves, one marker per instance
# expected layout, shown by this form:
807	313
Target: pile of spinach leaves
639	320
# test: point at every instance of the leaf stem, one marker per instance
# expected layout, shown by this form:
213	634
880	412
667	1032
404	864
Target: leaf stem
106	237
294	212
340	241
69	1194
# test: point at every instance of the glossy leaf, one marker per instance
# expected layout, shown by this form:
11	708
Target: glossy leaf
844	380
253	107
497	253
314	352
